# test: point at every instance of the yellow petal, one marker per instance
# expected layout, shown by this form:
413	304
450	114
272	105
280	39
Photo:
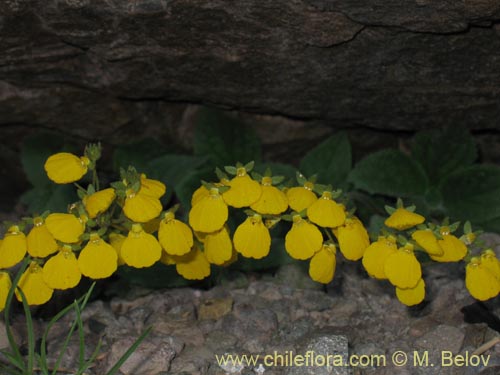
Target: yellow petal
140	207
428	241
198	194
209	214
99	202
376	254
66	228
218	247
175	237
490	261
5	285
40	242
300	198
481	283
403	269
353	239
243	191
193	266
116	240
151	187
34	288
322	264
140	249
97	259
453	249
252	239
62	271
412	296
13	247
272	201
64	168
325	212
303	240
402	219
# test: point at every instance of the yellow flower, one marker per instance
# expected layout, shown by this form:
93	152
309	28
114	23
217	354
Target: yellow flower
325	212
480	281
99	202
301	197
141	207
34	288
376	254
62	271
412	296
453	249
5	285
428	241
272	201
209	214
490	261
353	239
322	264
402	268
402	219
140	249
151	187
40	242
97	259
66	228
303	240
64	168
193	266
175	237
13	247
218	247
199	194
252	239
243	190
116	240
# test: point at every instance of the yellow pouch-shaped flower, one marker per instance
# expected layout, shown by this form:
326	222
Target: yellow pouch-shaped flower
64	168
140	207
325	212
152	187
428	241
140	249
252	239
97	259
402	219
491	262
62	271
303	240
13	247
376	254
66	228
481	283
243	190
99	202
40	242
209	214
272	201
412	296
5	285
34	288
218	247
453	249
403	269
353	239
175	237
193	266
116	240
300	197
322	264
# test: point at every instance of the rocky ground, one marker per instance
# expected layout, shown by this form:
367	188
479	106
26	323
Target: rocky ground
287	314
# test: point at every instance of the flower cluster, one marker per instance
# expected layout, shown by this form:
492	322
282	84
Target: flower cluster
126	224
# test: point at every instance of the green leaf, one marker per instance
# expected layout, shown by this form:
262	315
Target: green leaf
278	169
443	151
473	193
55	198
331	160
389	172
224	139
138	155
